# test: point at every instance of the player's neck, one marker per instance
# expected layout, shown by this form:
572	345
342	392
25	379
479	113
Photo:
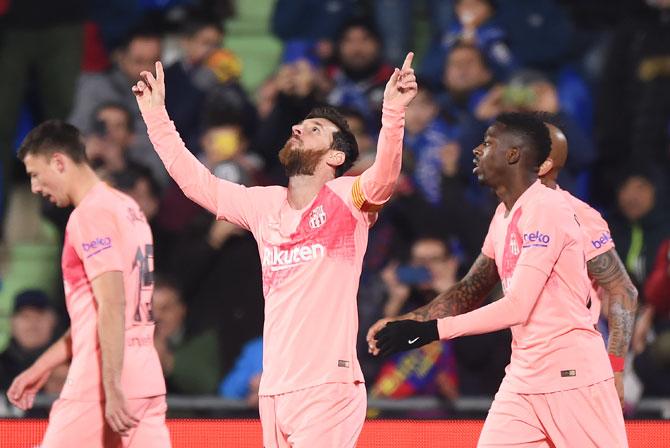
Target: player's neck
302	189
82	181
512	191
549	183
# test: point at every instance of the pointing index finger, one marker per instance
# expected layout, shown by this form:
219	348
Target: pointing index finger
408	61
159	71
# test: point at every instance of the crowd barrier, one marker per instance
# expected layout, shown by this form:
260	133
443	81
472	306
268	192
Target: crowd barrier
190	433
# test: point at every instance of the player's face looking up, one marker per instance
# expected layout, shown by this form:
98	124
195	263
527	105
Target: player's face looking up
47	177
309	145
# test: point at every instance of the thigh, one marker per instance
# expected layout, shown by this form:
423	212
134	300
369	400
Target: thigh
151	431
587	417
78	423
511	422
329	415
273	436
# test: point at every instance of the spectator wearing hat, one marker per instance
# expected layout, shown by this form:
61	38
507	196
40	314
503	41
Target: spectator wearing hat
33	324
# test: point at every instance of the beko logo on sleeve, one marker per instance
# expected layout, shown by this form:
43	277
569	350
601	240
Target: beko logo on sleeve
536	239
600	242
97	245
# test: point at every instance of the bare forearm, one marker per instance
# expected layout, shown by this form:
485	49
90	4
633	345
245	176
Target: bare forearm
464	296
59	352
608	270
111	324
109	293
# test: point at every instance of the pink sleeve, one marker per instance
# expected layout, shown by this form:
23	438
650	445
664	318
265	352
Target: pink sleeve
227	200
513	309
97	241
597	234
543	235
378	181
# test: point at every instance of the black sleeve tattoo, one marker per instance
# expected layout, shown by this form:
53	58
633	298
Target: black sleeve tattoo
464	296
608	271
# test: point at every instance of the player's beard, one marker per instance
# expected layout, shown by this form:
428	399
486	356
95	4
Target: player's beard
298	162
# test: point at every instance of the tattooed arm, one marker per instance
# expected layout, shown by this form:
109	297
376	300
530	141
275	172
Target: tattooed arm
608	270
464	296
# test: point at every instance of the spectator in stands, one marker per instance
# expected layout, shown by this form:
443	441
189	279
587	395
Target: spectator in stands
651	339
310	26
190	361
638	225
532	91
34	323
224	151
432	269
466	79
299	90
108	145
190	78
427	137
139	52
242	382
394	18
138	183
476	24
359	77
40	52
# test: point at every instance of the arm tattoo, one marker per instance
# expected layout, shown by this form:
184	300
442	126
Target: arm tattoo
464	296
608	270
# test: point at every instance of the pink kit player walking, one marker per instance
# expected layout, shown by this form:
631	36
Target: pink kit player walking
606	270
114	394
558	389
311	240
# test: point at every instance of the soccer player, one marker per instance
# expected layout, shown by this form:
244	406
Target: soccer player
558	389
311	240
603	264
114	394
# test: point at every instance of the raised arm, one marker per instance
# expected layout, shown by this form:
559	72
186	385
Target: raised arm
226	200
610	274
375	186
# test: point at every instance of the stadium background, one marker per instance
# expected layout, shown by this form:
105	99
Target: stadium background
599	67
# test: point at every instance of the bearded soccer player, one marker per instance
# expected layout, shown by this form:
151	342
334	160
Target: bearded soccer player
114	394
558	389
603	264
311	240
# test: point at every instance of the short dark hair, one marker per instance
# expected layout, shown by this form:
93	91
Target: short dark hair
144	30
343	139
198	20
164	281
125	180
531	129
363	22
54	136
130	120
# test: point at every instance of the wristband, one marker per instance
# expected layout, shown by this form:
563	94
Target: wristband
617	363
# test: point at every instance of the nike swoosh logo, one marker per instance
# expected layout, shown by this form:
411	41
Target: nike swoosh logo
412	341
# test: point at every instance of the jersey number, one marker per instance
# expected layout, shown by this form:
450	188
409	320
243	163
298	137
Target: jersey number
144	262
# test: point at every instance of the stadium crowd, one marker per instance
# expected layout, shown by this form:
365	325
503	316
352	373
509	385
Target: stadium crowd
601	70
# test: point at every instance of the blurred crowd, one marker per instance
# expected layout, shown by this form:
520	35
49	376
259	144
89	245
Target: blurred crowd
600	69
